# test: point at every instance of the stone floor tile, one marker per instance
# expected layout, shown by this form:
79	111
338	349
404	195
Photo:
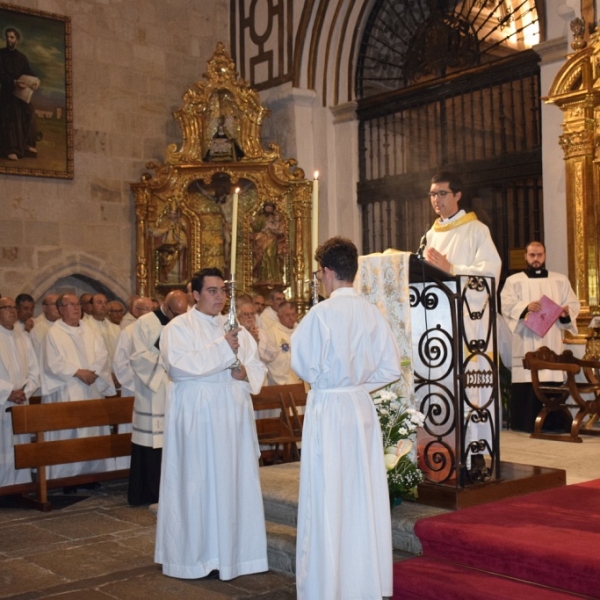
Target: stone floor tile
287	593
140	541
19	576
261	582
91	559
83	525
20	536
139	515
83	594
156	585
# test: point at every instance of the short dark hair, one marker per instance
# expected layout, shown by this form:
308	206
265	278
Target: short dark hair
198	278
340	255
284	304
452	179
535	243
272	293
17	35
23	298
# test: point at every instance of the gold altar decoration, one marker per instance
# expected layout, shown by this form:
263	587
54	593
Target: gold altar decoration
576	91
184	209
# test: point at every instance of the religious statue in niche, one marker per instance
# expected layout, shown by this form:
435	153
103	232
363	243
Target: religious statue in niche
269	246
223	146
171	245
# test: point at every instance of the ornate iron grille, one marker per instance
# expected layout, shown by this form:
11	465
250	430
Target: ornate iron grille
456	378
407	41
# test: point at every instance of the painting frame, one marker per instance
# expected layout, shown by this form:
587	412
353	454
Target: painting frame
46	117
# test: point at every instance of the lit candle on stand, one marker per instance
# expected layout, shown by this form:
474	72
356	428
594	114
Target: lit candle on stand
234	220
315	220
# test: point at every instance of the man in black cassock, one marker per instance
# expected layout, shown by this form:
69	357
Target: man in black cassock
17	117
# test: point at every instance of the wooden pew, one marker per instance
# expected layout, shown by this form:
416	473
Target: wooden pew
283	431
40	418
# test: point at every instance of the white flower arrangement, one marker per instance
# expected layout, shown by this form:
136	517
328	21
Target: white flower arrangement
398	428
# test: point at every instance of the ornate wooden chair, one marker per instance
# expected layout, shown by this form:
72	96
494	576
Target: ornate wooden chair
584	396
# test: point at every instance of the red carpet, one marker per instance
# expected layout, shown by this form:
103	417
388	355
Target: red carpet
430	579
550	538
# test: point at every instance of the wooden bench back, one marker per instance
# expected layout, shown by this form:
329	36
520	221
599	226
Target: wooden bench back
285	429
41	418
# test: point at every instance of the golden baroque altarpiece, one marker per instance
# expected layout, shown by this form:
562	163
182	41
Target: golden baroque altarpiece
576	91
184	210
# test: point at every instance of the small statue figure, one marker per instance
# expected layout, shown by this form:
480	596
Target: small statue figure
223	146
172	244
268	245
578	30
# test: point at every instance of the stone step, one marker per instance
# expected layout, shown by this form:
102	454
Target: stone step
280	484
281	547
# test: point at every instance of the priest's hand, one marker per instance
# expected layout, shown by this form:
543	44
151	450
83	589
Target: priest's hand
239	374
17	397
232	338
88	377
438	260
565	313
253	331
534	306
29	324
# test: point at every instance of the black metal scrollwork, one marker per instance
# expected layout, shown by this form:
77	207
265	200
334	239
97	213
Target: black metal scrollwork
425	297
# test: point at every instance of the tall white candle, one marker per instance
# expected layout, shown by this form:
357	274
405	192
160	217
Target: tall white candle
315	220
234	220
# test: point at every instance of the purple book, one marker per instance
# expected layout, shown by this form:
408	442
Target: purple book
541	321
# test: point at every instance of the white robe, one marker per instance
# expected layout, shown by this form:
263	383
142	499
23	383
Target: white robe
127	320
150	381
109	333
344	348
469	248
66	350
280	366
518	291
210	514
36	335
18	370
268	317
121	367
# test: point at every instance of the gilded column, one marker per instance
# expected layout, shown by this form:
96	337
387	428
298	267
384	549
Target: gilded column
575	91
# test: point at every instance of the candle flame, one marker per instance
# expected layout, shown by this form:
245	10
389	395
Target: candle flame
237	190
316	174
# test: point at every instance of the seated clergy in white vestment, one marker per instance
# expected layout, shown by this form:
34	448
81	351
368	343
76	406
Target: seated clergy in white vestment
121	366
269	315
75	367
150	384
19	378
44	321
102	325
280	370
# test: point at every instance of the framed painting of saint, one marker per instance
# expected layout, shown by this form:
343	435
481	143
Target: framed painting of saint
36	107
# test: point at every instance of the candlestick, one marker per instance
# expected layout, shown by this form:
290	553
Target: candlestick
234	219
315	220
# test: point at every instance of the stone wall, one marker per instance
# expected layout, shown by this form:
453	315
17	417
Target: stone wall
132	61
